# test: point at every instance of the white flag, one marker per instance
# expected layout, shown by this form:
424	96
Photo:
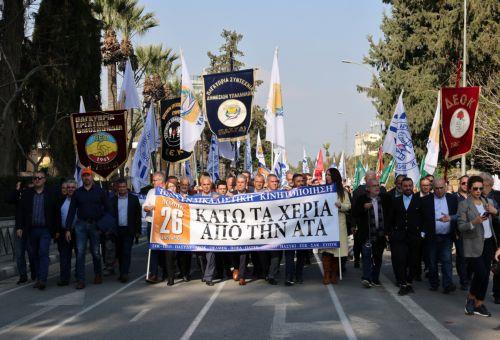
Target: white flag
305	164
341	167
275	128
129	98
259	152
192	120
148	143
431	158
78	166
398	143
228	150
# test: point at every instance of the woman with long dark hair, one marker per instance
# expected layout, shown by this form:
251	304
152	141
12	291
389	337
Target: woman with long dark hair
475	222
330	257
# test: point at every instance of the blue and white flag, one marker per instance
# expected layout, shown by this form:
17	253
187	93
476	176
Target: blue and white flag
78	166
189	173
213	159
305	164
128	97
280	167
227	150
148	143
399	144
341	166
259	152
248	155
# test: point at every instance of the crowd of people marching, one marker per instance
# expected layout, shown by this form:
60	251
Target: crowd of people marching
420	228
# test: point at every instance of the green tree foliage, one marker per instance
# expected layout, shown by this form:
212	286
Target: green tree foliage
419	52
67	35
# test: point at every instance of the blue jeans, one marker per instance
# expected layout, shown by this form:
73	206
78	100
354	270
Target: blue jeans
39	239
372	259
439	248
87	231
21	247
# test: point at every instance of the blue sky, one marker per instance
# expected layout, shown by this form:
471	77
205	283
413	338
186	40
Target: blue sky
313	37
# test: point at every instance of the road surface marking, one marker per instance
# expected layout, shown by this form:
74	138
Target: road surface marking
72	299
140	315
280	329
196	322
349	332
89	308
427	320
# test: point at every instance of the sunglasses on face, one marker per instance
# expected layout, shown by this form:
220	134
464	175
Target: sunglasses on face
38	178
477	189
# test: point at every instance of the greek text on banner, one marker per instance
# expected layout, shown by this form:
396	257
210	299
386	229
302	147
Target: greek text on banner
302	218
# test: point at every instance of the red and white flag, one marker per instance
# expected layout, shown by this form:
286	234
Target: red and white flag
319	168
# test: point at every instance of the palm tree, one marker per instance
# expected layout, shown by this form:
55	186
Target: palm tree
326	146
156	64
125	17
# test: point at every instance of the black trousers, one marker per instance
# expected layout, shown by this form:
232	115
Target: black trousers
184	262
405	259
167	263
356	248
481	267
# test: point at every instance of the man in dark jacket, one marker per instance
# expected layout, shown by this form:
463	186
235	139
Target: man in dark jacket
127	211
37	217
404	236
372	210
439	221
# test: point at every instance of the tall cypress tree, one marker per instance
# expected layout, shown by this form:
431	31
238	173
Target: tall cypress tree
419	52
67	38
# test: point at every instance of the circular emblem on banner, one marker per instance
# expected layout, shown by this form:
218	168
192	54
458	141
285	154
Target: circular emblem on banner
101	147
171	132
232	112
459	123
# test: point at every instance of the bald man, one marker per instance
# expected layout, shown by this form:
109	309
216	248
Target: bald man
439	219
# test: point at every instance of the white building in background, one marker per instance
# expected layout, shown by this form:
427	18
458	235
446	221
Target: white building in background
363	140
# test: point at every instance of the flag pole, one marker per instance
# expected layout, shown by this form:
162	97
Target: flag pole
464	68
340	266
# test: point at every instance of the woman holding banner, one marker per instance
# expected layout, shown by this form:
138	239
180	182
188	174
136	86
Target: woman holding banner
331	257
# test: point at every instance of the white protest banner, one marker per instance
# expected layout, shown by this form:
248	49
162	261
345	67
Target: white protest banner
302	218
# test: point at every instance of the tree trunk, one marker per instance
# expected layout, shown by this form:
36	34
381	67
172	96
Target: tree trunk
13	35
112	86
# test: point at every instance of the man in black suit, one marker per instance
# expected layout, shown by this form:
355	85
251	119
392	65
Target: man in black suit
439	213
404	236
127	210
37	217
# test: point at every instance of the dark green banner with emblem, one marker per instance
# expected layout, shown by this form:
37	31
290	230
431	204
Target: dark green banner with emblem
170	131
228	102
100	139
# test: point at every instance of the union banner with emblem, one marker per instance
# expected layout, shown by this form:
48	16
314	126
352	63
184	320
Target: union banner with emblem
170	131
100	139
228	102
458	117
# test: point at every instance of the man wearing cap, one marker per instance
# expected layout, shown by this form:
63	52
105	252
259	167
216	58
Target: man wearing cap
89	204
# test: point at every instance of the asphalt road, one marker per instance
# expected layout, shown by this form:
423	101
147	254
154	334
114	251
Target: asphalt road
192	310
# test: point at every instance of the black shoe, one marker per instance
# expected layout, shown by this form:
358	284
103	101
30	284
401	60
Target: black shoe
299	281
22	279
41	286
272	282
37	285
289	283
433	289
469	307
62	283
123	278
482	311
376	283
366	283
186	278
209	283
497	300
449	289
170	281
403	290
409	289
356	264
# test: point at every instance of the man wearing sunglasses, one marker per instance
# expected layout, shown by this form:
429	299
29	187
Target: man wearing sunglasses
463	269
37	217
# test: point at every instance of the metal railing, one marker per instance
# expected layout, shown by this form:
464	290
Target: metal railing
7	236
